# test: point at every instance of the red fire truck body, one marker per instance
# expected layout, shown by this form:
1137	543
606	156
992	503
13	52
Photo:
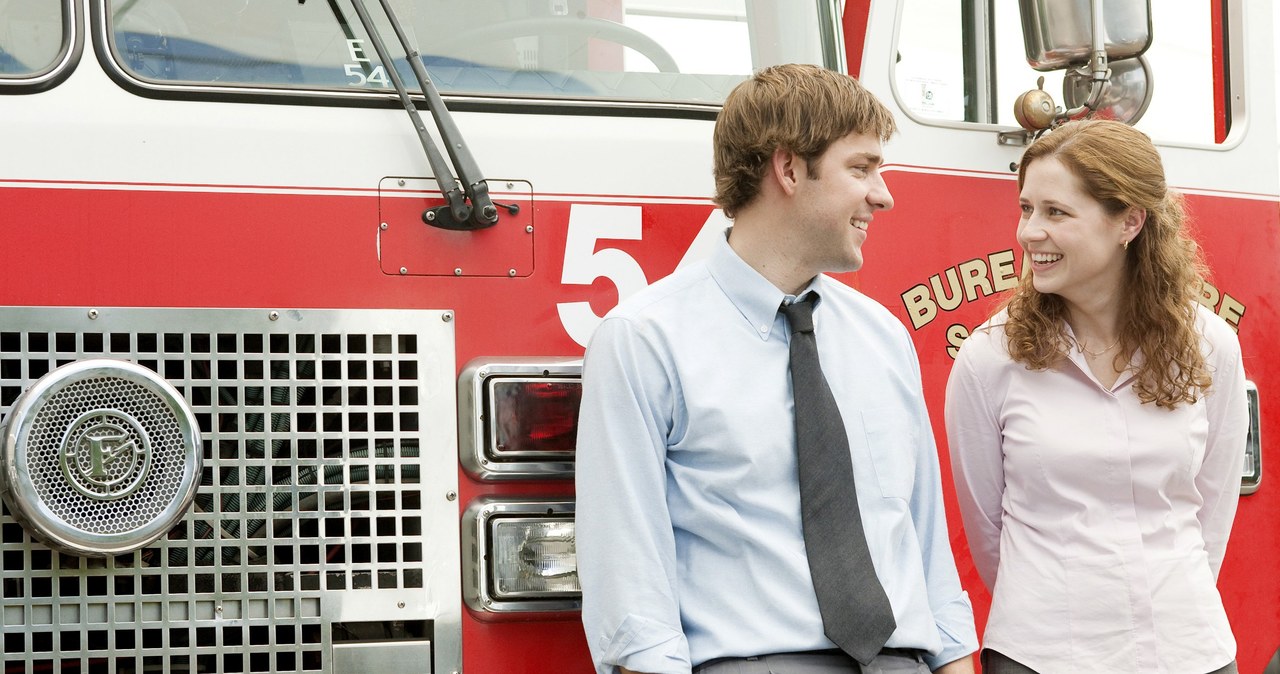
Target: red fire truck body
369	418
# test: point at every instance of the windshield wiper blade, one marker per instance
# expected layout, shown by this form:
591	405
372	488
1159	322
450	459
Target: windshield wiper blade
469	206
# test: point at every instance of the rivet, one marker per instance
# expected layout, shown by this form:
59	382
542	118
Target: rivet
93	314
383	226
448	496
528	229
404	270
511	272
275	316
457	271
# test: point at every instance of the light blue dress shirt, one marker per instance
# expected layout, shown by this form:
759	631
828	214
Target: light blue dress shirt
689	539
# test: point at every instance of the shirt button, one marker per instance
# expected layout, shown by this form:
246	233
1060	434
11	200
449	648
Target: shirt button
764	328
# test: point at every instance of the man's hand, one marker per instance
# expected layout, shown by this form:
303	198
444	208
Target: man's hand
962	666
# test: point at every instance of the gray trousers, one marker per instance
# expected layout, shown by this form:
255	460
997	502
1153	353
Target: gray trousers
995	662
819	662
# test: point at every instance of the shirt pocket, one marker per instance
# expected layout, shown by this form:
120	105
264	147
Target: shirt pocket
891	441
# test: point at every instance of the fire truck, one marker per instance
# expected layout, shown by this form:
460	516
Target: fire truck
293	294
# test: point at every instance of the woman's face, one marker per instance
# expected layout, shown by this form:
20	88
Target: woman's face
1069	241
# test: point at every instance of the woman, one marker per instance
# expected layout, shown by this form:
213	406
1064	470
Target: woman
1097	425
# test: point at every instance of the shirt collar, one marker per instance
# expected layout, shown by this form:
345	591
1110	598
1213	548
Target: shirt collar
755	297
1076	357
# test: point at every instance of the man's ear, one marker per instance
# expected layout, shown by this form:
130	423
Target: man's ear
784	169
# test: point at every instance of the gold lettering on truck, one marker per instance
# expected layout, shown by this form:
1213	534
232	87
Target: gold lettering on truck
997	272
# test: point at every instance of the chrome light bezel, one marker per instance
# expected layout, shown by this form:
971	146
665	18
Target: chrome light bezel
1252	480
477	545
475	417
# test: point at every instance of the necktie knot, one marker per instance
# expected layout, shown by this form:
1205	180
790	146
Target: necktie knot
800	313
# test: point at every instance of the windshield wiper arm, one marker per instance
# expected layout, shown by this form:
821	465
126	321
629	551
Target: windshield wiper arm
468	207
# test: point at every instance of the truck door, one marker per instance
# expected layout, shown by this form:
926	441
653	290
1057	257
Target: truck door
953	72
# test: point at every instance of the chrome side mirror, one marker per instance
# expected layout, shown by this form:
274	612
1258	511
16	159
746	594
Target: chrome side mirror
1102	43
1059	34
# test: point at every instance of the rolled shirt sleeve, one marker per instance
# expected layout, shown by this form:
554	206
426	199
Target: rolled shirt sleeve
952	610
630	609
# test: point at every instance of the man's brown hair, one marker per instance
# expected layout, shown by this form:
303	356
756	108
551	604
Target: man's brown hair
796	107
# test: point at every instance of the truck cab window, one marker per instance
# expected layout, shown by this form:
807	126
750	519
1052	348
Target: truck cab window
673	51
33	34
929	72
966	62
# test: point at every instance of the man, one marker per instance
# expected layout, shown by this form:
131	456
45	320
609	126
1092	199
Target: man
693	550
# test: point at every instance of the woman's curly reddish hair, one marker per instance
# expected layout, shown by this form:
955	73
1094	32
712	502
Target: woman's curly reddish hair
1164	269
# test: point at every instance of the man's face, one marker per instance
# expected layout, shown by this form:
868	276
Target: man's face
835	203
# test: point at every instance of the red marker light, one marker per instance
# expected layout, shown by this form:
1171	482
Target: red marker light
533	417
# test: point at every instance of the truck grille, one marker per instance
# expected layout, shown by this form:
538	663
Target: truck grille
325	512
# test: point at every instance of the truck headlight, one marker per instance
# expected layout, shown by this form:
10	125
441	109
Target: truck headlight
520	556
533	557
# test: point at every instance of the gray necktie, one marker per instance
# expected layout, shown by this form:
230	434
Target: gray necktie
856	614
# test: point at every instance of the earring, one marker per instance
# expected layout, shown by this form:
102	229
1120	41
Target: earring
1124	245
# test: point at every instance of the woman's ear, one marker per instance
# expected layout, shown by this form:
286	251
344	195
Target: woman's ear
1134	219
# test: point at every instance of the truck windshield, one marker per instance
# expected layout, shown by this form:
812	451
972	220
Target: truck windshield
670	51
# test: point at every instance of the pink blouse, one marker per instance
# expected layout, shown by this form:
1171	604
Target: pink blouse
1097	522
